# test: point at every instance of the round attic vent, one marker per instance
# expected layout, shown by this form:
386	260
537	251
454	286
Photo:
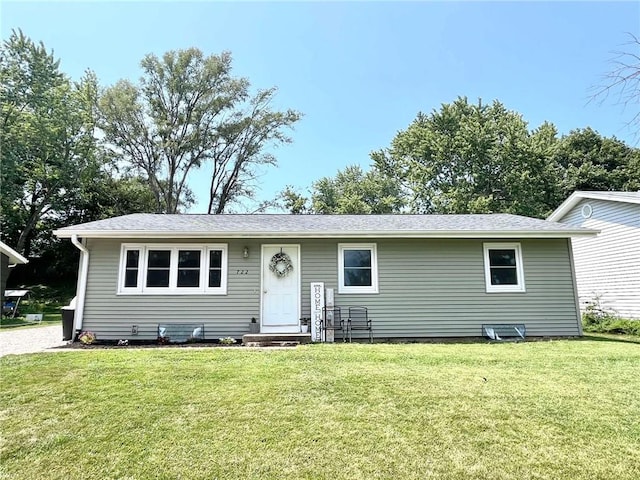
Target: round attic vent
587	211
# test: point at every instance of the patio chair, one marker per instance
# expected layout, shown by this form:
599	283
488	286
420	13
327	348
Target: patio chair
332	321
359	320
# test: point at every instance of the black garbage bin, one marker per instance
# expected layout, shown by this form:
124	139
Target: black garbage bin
68	314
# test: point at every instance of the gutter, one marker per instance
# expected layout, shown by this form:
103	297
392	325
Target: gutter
81	289
148	234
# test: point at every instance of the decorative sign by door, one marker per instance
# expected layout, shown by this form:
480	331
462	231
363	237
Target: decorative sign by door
317	303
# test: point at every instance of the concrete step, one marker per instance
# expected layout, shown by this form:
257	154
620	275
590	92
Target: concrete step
275	339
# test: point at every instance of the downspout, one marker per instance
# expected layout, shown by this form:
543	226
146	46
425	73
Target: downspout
575	286
81	288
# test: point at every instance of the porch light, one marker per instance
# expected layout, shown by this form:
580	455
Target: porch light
245	252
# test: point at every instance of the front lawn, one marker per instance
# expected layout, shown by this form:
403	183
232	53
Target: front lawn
540	410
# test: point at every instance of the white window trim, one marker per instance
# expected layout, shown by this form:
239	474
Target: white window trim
373	288
519	287
172	289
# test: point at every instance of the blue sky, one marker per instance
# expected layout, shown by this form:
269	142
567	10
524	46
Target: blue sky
359	71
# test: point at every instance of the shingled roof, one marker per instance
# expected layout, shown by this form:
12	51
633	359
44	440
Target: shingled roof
146	225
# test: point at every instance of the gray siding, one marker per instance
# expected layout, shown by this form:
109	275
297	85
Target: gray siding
427	288
111	315
608	266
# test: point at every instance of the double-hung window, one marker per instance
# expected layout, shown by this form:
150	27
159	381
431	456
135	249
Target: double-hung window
173	269
357	268
503	267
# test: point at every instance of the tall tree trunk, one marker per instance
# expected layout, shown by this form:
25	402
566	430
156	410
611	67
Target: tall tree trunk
23	245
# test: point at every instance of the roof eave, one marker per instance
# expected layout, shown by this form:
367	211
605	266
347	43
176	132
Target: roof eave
328	234
14	257
566	206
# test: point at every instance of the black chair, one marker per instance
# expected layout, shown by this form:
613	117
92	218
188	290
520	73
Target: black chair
332	321
359	320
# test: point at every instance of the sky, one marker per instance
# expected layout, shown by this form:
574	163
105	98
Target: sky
359	71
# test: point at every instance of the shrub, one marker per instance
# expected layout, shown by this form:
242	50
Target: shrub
597	319
619	325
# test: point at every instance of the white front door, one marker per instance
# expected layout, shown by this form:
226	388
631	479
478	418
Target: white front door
280	289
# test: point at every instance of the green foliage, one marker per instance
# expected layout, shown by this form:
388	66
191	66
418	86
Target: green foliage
188	110
293	202
51	310
598	319
351	191
589	161
53	171
467	158
47	137
32	306
611	324
595	319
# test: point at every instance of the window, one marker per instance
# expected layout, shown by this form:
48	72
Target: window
158	268
503	267
188	268
357	268
173	269
215	268
131	268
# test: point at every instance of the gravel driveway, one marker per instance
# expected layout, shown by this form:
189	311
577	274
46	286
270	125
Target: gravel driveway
30	340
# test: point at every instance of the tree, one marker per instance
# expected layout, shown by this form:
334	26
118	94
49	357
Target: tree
623	82
351	191
53	172
47	136
293	201
589	161
468	158
188	110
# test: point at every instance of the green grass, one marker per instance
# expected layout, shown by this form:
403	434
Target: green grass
52	316
547	410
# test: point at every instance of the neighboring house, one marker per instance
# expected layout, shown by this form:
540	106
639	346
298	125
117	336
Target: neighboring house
607	266
419	275
8	258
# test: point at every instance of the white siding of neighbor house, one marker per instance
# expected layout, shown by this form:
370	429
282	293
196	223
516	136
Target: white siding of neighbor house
608	266
427	288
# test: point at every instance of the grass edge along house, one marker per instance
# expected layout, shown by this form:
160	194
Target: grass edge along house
419	276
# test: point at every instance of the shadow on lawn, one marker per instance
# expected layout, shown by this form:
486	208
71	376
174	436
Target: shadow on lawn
610	338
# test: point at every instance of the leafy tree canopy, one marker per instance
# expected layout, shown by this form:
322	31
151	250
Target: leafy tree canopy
186	112
351	191
53	171
480	158
47	135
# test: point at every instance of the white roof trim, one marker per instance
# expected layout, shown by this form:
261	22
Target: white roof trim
575	197
14	257
148	234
